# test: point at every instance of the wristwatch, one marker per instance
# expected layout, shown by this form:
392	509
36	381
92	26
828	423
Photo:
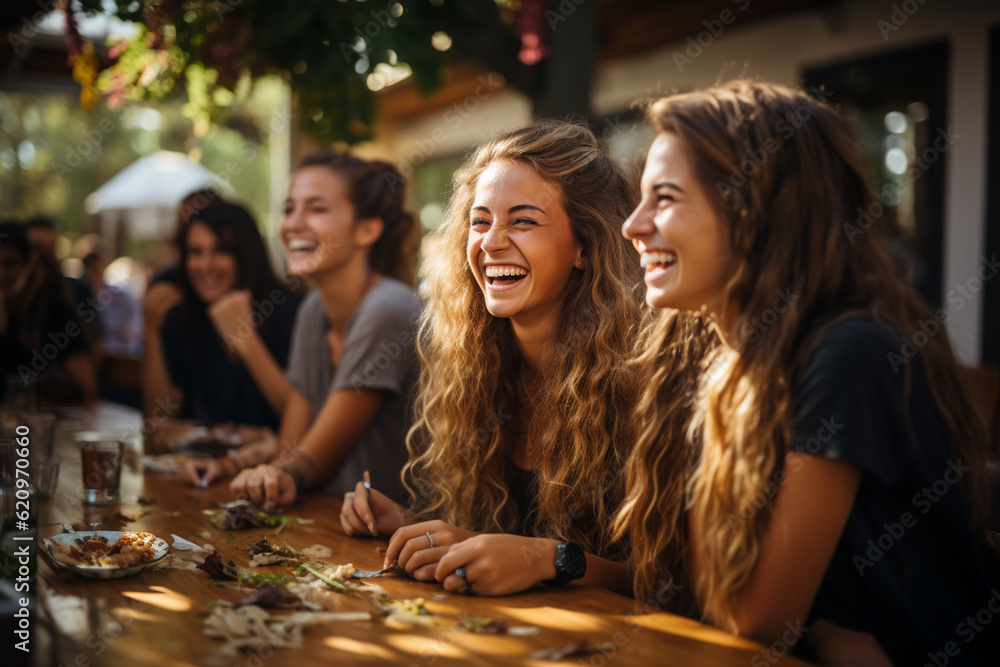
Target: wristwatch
571	564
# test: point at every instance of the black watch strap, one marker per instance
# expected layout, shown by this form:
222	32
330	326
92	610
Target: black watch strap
570	562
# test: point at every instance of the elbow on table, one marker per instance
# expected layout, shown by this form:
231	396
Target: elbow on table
771	629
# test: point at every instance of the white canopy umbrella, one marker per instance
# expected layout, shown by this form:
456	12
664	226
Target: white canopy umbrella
145	194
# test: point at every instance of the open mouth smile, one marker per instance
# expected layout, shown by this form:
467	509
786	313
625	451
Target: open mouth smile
301	245
500	277
657	262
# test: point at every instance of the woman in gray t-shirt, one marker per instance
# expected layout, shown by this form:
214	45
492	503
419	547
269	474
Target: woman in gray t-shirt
352	360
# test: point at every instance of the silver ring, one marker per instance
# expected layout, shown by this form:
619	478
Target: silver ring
430	539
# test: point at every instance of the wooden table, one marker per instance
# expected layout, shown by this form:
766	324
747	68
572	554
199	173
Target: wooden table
155	617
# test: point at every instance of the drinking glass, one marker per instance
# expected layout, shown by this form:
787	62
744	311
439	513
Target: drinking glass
102	470
46	476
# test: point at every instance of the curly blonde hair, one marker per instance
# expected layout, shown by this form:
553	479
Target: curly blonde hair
466	412
787	230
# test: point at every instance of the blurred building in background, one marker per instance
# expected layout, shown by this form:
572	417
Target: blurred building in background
919	79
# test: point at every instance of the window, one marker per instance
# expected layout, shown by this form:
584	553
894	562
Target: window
897	104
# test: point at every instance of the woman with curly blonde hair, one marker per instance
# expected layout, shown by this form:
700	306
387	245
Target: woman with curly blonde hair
522	418
834	485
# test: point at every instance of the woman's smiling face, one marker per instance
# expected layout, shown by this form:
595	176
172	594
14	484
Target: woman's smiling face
317	230
211	270
521	247
682	240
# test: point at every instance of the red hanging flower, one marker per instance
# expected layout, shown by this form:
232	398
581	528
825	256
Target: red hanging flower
531	26
74	41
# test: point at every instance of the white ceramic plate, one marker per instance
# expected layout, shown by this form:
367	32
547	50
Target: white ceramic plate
160	549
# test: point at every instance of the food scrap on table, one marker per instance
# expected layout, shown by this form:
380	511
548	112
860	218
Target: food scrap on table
571	651
252	627
127	518
265	553
216	569
483	626
242	514
276	597
330	577
129	550
317	551
172	562
185	545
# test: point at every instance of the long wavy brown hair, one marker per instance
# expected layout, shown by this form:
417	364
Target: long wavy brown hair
467	409
790	194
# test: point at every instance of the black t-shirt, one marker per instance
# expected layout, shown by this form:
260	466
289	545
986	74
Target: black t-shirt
85	300
907	568
218	388
62	335
523	487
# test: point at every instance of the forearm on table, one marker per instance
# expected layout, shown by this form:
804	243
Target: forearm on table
265	371
251	454
328	442
607	574
601	572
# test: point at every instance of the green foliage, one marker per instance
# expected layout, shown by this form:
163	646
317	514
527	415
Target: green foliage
326	49
54	153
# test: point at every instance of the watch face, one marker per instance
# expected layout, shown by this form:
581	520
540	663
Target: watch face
574	560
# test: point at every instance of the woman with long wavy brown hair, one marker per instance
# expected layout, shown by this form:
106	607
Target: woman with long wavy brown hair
522	421
829	472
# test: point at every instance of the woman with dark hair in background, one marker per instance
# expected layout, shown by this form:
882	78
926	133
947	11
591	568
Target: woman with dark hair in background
346	232
219	355
39	336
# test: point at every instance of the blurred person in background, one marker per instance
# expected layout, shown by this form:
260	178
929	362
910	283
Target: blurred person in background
117	307
42	232
348	234
187	209
40	337
218	353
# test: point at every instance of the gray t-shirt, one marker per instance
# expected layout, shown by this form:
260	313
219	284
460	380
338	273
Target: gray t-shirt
379	354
